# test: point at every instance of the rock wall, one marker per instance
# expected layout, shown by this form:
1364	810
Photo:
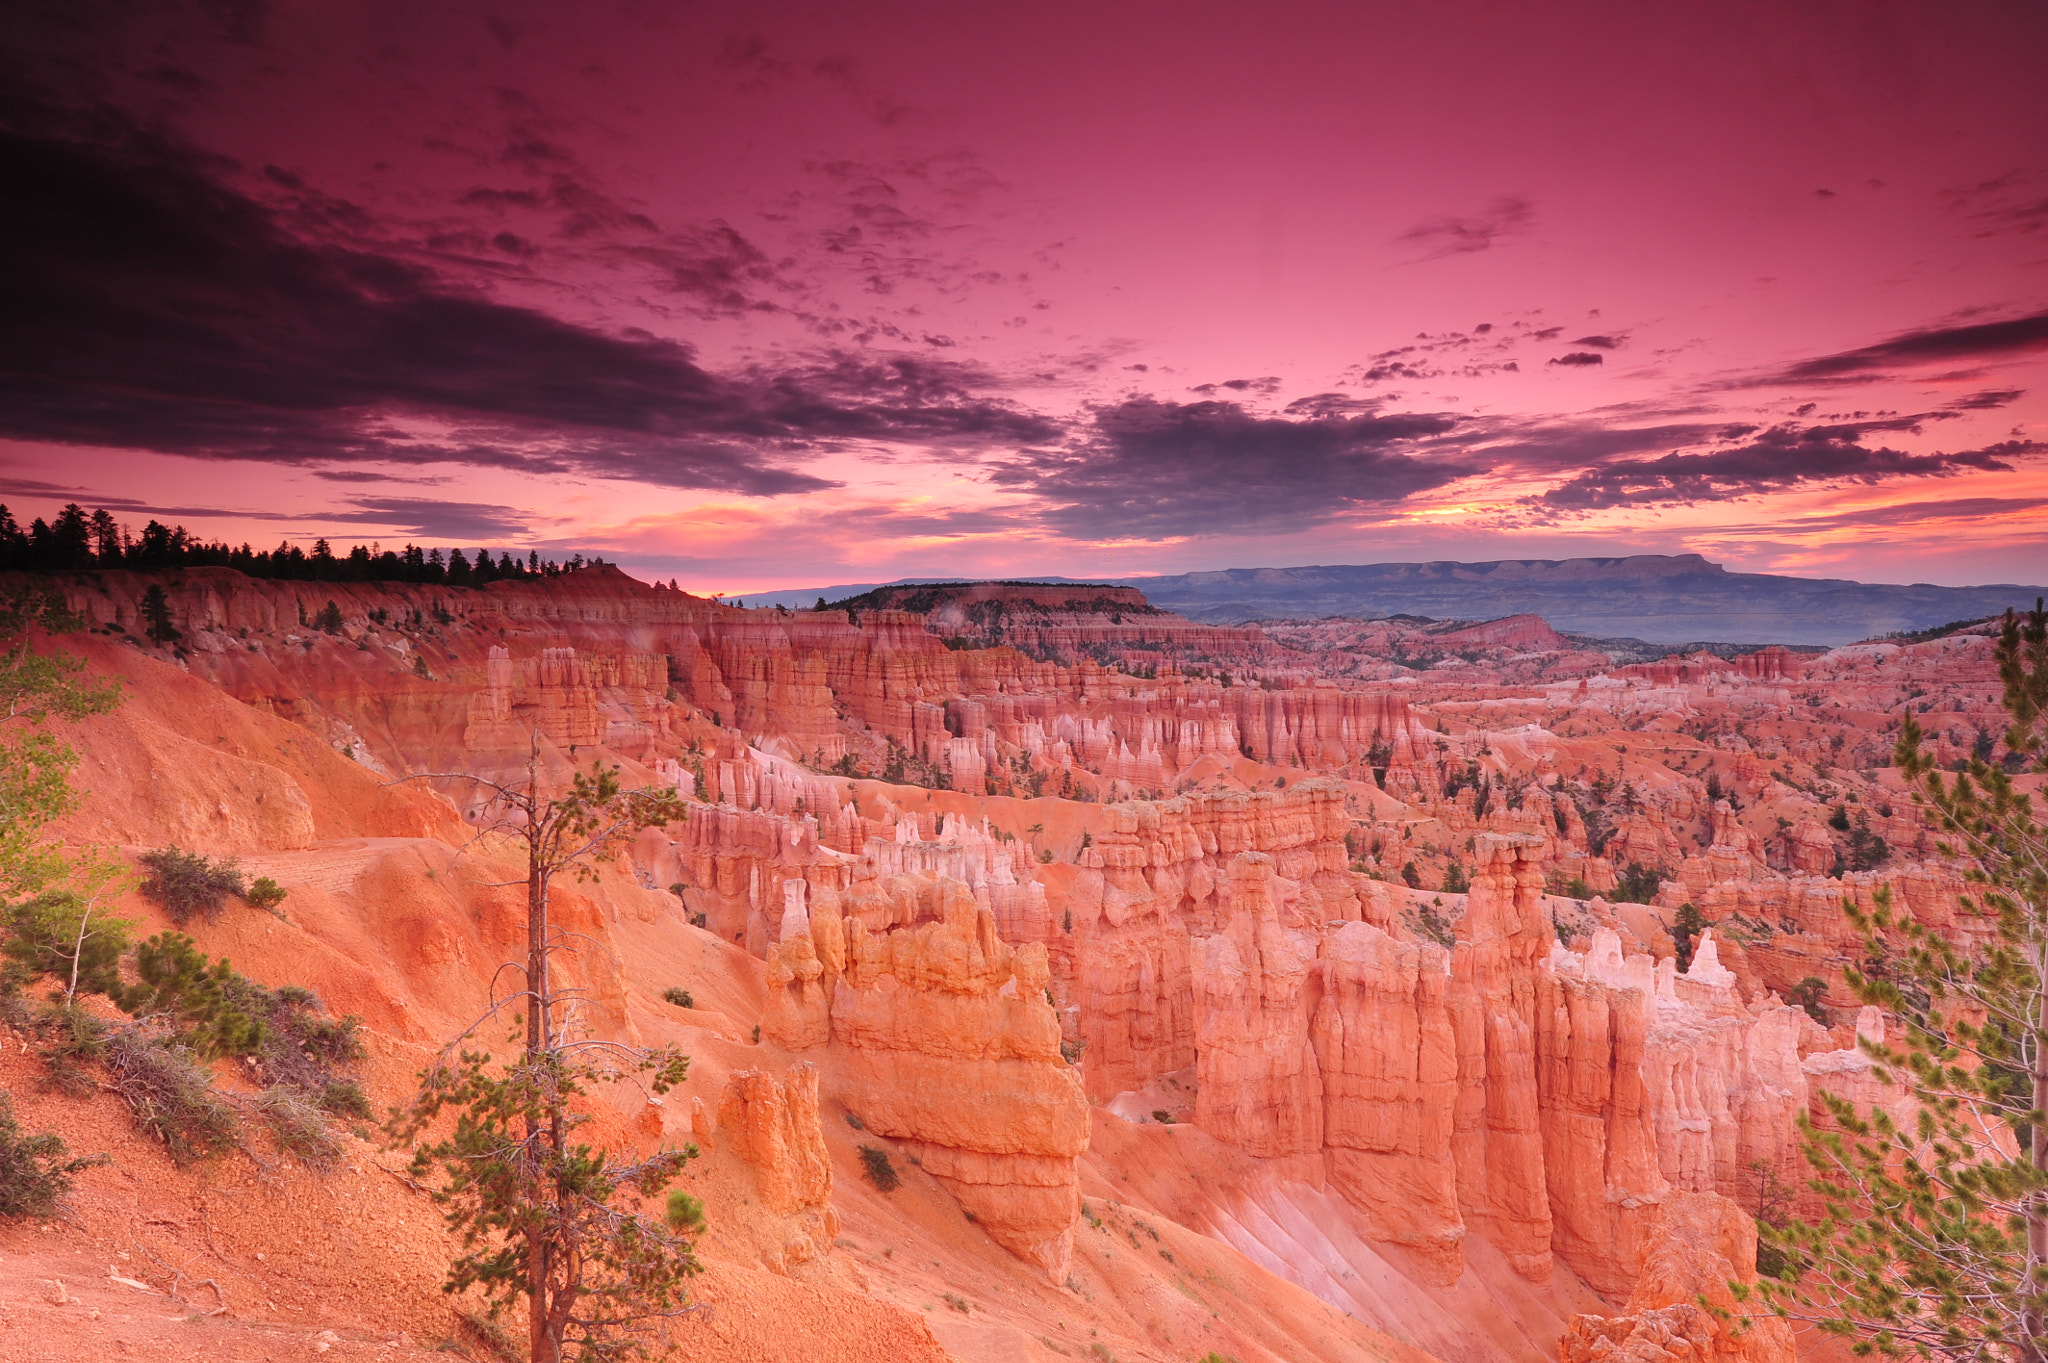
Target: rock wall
1701	1242
944	1040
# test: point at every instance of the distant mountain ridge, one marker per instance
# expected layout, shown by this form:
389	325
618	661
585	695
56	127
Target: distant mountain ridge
1661	598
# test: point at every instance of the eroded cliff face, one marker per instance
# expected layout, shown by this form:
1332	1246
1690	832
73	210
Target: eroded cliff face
1700	1243
1351	932
944	1038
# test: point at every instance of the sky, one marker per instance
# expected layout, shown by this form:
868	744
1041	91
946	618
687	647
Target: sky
768	295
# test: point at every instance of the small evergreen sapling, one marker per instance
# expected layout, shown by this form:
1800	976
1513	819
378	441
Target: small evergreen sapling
542	1219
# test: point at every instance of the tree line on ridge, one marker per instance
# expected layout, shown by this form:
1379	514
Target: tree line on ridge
78	540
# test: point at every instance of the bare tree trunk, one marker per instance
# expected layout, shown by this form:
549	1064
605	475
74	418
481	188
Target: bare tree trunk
540	1338
2033	1345
77	950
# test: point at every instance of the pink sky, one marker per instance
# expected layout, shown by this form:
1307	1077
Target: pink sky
761	296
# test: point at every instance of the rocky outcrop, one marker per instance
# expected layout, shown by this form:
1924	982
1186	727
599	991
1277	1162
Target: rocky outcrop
1701	1243
772	1124
1387	1054
1258	1082
949	1045
1599	1135
1497	1133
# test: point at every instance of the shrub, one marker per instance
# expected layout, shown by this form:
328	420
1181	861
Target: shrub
302	1046
171	1094
879	1171
34	1170
1454	880
679	997
345	1098
1162	1116
1685	930
298	1126
71	1041
184	883
198	1001
685	1214
265	894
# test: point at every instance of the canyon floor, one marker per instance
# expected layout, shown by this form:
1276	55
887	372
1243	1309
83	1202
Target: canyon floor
1298	990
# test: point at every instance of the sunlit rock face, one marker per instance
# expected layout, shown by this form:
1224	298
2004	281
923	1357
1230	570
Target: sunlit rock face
949	1044
1698	1245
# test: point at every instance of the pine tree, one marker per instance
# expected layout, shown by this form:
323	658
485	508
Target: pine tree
541	1218
1934	1242
156	615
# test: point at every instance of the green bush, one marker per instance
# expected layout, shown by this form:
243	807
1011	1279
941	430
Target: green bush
685	1213
879	1171
1810	994
196	1000
35	1171
301	1045
345	1098
184	883
679	997
265	894
71	1042
1686	927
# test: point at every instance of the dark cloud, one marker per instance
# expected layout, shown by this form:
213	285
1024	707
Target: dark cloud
1600	342
1269	384
1508	216
2022	218
365	476
471	522
1152	469
1579	357
1548	448
1778	458
2007	204
1930	345
149	305
1988	400
1915	513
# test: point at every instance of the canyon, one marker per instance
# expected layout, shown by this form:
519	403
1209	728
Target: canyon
1294	990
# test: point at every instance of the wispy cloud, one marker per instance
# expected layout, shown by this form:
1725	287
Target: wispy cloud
1510	215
